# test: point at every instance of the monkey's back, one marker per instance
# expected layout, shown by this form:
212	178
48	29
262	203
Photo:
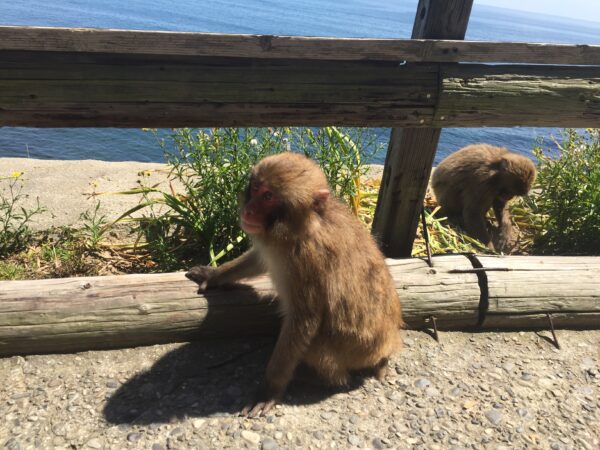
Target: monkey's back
463	171
361	311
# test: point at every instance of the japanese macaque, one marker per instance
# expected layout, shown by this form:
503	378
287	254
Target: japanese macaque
340	309
476	178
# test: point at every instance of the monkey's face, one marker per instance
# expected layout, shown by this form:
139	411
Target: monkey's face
261	207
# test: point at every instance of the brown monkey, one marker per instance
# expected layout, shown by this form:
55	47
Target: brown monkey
340	309
476	177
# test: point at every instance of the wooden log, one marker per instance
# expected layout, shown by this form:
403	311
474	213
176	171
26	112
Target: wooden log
411	152
290	47
523	289
74	314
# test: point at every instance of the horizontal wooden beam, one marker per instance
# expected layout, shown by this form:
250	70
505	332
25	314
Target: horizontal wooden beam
75	314
290	47
54	89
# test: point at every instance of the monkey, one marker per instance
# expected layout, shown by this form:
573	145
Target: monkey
340	310
479	176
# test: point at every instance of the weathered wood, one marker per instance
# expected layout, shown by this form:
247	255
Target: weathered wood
63	315
291	47
410	152
400	190
567	287
77	89
479	95
74	314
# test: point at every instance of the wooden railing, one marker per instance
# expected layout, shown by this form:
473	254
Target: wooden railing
59	77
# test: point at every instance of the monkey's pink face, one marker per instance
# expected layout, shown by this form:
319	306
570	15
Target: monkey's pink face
260	208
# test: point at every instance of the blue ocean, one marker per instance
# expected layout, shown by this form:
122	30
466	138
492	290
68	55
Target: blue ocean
351	18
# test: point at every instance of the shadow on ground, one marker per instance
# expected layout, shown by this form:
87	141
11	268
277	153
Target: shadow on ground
201	379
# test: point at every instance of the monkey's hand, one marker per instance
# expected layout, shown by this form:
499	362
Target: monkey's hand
202	276
264	401
506	239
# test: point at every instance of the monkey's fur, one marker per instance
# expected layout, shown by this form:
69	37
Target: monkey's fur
477	177
340	309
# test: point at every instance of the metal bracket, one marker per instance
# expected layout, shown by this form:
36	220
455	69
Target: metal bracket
556	343
435	330
426	236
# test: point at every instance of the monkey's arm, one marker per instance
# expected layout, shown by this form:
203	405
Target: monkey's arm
474	221
502	215
247	265
505	229
294	338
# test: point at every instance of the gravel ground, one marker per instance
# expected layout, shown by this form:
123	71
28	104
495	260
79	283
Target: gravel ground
474	390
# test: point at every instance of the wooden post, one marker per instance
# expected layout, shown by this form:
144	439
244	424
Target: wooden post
411	151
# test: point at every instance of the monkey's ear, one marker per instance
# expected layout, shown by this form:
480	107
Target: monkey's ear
504	165
320	197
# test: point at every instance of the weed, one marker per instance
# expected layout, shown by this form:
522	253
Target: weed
567	201
15	232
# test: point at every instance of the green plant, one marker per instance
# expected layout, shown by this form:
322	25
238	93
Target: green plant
196	218
568	194
11	271
208	170
94	226
15	232
341	153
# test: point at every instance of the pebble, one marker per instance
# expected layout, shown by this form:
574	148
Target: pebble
422	383
494	416
157	447
133	436
377	444
269	444
197	423
94	443
251	436
354	440
508	366
12	444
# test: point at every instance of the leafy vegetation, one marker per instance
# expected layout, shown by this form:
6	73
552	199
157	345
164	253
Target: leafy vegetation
15	232
197	218
567	201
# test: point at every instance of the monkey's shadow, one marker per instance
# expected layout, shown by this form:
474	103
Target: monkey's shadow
205	378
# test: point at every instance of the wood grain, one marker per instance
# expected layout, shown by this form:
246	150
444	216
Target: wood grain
432	49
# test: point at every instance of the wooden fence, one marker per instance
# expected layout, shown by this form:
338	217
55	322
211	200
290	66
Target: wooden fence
57	77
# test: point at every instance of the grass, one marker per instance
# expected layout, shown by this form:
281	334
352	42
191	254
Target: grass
196	220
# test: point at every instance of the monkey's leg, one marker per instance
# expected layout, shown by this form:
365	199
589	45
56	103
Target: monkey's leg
247	265
475	224
380	369
294	339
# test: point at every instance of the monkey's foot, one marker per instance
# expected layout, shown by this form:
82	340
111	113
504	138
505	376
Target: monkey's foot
264	401
257	409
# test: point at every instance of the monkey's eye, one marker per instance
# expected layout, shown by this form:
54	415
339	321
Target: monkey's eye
267	196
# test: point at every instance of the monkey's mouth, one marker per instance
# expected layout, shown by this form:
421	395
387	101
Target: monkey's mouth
251	228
